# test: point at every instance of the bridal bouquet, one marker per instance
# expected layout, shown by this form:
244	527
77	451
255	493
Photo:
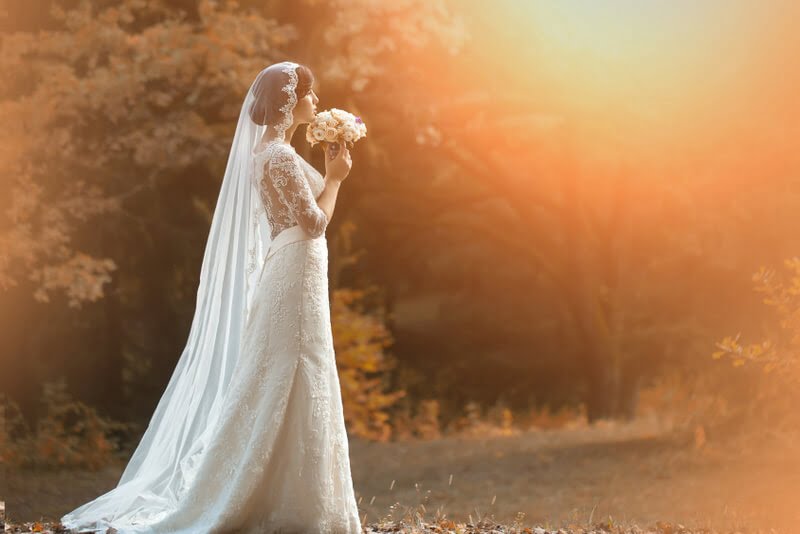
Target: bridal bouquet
335	126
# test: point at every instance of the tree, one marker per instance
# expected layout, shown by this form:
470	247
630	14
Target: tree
772	364
114	102
119	120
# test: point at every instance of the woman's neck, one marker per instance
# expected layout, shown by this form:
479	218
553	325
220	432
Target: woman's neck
271	135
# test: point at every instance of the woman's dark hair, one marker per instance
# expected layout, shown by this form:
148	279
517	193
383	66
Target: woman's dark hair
270	89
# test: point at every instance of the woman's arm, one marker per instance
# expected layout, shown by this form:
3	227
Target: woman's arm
327	200
336	170
289	181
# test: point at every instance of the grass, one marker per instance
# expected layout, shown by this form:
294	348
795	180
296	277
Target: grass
608	477
415	522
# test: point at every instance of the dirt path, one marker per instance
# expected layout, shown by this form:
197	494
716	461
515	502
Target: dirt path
628	472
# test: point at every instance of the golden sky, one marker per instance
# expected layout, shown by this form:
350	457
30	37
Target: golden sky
711	79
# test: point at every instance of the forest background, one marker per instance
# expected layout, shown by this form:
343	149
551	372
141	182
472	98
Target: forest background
554	209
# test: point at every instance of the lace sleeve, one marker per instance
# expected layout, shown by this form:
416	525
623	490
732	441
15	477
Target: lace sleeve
295	193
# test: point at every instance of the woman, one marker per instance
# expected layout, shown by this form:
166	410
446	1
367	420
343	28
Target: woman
249	435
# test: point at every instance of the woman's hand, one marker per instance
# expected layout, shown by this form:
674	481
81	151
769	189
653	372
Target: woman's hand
337	167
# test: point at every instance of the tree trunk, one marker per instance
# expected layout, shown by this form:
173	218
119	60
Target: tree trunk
111	363
600	398
613	389
629	393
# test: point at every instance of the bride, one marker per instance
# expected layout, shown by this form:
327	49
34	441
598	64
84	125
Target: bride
249	435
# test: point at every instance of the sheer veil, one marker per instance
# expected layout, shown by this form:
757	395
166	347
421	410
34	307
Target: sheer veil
182	425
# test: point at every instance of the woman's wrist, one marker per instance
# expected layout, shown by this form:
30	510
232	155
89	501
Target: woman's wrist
329	180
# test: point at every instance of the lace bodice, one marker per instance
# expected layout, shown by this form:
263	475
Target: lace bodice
289	187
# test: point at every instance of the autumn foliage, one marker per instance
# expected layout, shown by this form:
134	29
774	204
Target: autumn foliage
360	340
112	101
104	108
773	363
548	230
68	434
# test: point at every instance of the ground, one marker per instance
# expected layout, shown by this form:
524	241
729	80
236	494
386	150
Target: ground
628	473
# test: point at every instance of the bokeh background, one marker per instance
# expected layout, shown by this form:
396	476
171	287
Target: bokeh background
564	265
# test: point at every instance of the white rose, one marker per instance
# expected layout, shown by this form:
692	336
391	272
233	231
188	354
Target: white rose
330	135
318	133
348	135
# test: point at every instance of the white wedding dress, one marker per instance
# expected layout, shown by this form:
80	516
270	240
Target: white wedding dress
277	460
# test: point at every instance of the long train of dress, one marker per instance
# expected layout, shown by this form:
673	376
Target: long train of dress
278	460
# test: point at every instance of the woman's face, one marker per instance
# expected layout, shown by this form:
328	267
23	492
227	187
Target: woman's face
306	108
